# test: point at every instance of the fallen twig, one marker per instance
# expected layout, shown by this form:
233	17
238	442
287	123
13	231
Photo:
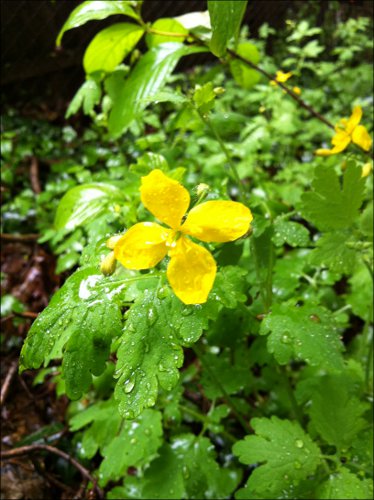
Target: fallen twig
25	450
19	237
8	379
34	175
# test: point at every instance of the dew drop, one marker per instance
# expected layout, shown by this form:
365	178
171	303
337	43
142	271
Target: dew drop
129	385
297	465
299	443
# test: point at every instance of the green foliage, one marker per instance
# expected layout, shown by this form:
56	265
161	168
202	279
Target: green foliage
110	46
225	17
286	453
164	391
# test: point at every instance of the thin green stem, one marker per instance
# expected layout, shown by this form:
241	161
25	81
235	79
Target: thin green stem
295	407
224	393
206	421
225	151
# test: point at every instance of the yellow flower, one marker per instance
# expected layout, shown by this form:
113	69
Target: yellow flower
296	90
192	268
347	131
280	77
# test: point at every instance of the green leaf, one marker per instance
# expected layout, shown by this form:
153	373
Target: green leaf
83	203
285	452
361	295
186	468
330	207
345	486
168	25
147	78
332	251
306	332
151	348
245	76
225	18
95	10
134	446
292	233
335	412
110	46
204	97
88	96
78	325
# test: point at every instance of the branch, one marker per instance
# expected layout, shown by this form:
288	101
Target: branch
294	96
25	450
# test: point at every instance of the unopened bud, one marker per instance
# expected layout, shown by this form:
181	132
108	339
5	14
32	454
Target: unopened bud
202	188
219	90
366	169
108	264
296	90
111	243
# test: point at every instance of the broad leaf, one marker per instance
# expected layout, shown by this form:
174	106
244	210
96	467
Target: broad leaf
225	18
84	203
343	484
245	76
186	468
134	446
333	252
329	206
78	325
306	333
335	412
147	78
110	46
95	10
285	452
151	348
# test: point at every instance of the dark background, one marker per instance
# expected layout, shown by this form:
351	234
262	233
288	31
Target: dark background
32	67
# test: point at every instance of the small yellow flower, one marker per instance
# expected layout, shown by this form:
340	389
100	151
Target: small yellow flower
192	268
296	90
280	77
347	131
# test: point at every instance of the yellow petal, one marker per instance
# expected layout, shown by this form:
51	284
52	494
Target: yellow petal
283	77
361	137
142	246
354	119
164	197
191	271
218	221
340	141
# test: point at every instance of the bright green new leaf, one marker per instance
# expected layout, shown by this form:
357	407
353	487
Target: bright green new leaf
78	325
336	414
134	446
285	452
245	76
329	206
84	203
95	10
345	485
204	97
292	233
167	25
225	18
110	46
186	468
87	96
147	78
306	333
